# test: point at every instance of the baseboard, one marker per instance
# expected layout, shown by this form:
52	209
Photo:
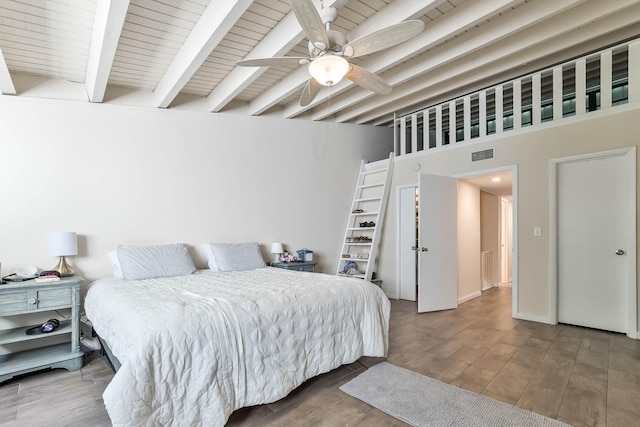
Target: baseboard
493	285
535	318
470	297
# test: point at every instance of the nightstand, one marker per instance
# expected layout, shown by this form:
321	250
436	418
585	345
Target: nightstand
33	297
297	266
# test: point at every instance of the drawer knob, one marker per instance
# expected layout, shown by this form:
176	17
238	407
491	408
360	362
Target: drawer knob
32	300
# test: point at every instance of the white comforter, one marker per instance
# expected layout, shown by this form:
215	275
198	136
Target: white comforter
195	348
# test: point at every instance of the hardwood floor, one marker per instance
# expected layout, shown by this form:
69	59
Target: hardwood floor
581	376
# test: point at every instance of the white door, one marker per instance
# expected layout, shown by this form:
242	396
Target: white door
592	200
437	243
407	243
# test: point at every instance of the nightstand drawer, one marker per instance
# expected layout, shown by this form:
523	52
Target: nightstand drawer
29	300
14	303
53	298
309	266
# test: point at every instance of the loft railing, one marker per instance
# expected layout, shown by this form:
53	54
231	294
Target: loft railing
597	81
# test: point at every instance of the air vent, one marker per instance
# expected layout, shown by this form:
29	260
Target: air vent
482	155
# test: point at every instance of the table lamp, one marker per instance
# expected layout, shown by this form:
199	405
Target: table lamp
62	244
277	250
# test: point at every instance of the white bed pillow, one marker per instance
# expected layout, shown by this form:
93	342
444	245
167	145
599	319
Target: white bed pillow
148	262
234	256
115	263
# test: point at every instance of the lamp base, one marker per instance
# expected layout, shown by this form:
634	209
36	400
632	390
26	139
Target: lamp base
63	268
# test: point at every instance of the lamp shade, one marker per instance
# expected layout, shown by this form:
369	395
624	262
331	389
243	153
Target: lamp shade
62	243
276	248
328	70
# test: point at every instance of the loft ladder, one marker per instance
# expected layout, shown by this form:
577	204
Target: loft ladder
360	242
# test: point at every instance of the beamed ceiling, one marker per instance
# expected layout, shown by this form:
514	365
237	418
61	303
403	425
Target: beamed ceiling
181	54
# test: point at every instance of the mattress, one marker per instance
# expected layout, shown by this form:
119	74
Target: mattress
195	348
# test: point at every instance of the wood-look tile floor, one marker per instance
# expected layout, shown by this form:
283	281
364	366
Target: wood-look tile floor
581	376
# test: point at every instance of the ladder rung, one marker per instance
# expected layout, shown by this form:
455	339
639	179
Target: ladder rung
368	199
377	184
364	213
374	171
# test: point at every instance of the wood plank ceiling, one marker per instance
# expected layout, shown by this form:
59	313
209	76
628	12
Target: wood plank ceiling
181	54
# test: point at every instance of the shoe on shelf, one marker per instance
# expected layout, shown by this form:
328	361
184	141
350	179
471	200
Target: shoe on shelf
357	211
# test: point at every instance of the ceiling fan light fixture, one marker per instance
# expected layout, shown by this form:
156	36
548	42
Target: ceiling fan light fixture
328	70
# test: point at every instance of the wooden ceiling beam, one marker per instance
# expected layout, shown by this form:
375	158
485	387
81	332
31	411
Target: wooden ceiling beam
6	82
107	26
284	36
216	21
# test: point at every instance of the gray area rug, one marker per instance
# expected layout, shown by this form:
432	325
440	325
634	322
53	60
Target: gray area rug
422	401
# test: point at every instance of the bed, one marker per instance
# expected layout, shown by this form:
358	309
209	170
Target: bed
193	348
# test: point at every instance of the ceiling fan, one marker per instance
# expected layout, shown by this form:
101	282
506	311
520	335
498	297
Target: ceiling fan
329	50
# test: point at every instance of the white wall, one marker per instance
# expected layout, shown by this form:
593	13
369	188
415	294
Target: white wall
529	149
119	175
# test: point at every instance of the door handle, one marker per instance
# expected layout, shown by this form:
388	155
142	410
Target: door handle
413	248
423	249
619	252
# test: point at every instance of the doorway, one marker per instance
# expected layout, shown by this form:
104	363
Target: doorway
593	234
503	256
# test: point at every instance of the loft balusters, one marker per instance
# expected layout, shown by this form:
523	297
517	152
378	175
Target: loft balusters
594	82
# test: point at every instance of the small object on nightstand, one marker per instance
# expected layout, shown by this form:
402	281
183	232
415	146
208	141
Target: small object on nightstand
48	276
22	274
305	255
277	250
62	244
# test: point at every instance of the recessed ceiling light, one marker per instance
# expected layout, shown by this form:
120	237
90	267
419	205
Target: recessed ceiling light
495	179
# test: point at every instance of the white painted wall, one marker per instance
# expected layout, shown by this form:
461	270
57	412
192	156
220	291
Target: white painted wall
530	149
119	175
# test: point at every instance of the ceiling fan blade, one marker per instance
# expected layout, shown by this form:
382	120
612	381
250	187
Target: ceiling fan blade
368	80
309	92
282	61
384	38
310	21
